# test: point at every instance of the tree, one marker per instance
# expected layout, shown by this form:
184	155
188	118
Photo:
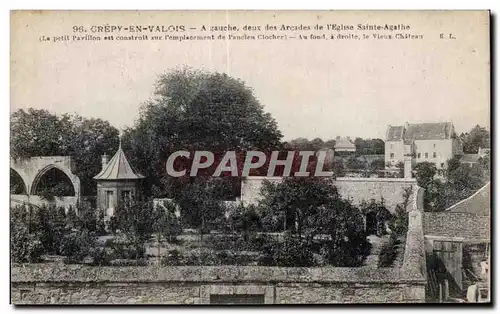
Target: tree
136	221
374	146
166	223
197	110
296	201
477	138
425	172
200	203
41	133
453	164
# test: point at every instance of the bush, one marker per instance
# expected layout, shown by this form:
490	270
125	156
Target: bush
76	246
101	256
292	252
25	247
173	258
245	219
389	252
126	249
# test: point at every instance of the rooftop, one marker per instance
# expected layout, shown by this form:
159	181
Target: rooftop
420	131
343	142
118	168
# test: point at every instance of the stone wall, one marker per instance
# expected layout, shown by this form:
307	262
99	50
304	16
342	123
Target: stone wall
72	284
59	201
366	189
356	189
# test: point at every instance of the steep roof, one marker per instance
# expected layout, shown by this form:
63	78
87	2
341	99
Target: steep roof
344	143
395	133
460	225
118	168
420	131
429	131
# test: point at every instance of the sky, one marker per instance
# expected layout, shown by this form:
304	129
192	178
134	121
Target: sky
315	88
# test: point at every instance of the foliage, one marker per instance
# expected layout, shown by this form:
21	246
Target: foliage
377	164
77	245
25	247
399	221
425	172
41	133
50	223
303	144
136	221
374	146
295	201
453	164
101	256
244	219
197	110
477	138
310	207
354	163
166	223
339	168
461	181
294	251
200	204
125	247
389	252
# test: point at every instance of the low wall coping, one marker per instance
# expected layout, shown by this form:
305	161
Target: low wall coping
400	180
264	274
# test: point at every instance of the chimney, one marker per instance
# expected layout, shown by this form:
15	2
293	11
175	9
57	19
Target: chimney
104	161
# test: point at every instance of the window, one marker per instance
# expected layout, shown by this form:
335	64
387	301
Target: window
126	197
109	199
434	155
418	155
434	145
391	146
392	155
426	155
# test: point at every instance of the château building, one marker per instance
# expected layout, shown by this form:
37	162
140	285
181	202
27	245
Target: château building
432	142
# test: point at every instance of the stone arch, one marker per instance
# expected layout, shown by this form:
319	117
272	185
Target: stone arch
37	179
16	176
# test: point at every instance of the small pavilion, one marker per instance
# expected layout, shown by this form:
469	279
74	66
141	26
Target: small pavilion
117	183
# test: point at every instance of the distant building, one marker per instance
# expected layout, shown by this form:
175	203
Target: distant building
344	144
432	142
116	183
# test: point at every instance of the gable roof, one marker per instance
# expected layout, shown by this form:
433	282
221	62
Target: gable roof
429	131
395	133
420	131
118	168
344	143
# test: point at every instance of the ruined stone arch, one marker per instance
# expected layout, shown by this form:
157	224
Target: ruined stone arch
32	169
21	180
37	179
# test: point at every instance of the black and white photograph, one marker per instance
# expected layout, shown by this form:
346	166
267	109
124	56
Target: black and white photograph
250	157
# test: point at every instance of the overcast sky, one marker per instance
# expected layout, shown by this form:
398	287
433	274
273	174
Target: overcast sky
315	89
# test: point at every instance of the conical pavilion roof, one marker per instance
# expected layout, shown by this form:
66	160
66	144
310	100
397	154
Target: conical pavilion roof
118	168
